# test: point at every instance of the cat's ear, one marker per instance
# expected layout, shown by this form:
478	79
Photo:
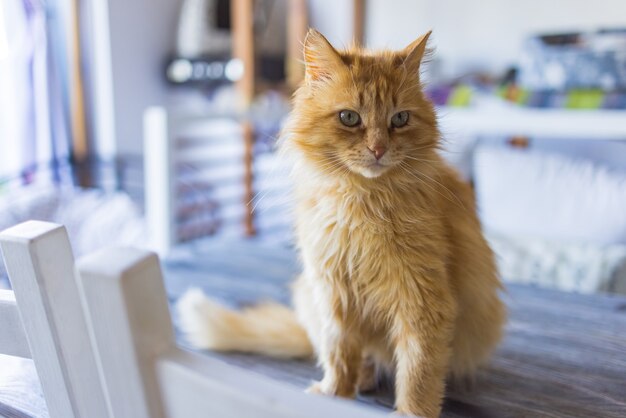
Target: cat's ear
320	58
415	51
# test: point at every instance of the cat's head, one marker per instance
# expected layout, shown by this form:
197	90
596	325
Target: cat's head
362	112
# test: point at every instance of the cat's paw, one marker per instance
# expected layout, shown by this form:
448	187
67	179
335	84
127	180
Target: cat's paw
368	380
368	385
318	388
315	389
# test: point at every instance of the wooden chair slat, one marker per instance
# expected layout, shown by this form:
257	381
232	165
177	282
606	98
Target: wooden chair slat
40	264
12	338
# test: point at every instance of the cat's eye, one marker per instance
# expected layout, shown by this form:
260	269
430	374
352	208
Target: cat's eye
400	119
349	118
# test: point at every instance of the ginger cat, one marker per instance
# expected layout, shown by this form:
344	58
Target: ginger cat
397	275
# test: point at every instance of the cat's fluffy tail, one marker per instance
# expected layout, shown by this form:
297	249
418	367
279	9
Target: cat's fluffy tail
270	329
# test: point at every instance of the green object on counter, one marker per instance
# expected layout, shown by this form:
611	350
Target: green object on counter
584	99
460	96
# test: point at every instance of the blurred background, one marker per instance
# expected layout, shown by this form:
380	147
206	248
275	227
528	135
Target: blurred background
153	122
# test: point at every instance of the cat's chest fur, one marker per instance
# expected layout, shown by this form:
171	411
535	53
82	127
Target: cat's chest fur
369	241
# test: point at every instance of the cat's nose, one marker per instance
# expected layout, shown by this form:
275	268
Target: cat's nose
378	151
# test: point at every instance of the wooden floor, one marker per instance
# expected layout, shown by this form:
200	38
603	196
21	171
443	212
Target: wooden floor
564	355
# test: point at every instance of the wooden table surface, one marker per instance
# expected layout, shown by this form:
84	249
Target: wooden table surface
564	355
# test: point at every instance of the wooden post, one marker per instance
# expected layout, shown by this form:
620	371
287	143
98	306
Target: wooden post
358	19
297	25
41	268
127	310
242	23
80	147
12	338
248	161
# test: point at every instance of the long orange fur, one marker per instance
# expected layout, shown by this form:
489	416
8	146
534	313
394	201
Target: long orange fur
397	274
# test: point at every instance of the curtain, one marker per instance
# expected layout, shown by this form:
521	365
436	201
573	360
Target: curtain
34	97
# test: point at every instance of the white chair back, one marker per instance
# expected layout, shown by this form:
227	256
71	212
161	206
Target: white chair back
103	341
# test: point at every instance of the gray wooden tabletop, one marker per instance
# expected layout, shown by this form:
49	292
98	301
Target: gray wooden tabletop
564	355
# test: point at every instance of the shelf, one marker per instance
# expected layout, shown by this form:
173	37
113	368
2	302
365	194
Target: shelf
533	122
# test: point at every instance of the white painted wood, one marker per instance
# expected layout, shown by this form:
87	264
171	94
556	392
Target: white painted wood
12	336
509	120
41	268
127	309
200	386
159	178
148	376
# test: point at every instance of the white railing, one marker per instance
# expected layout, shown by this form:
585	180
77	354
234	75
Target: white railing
103	342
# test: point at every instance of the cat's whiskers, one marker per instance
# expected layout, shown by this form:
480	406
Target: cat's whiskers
331	166
425	183
258	201
404	76
415	174
423	147
420	159
271	176
445	188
